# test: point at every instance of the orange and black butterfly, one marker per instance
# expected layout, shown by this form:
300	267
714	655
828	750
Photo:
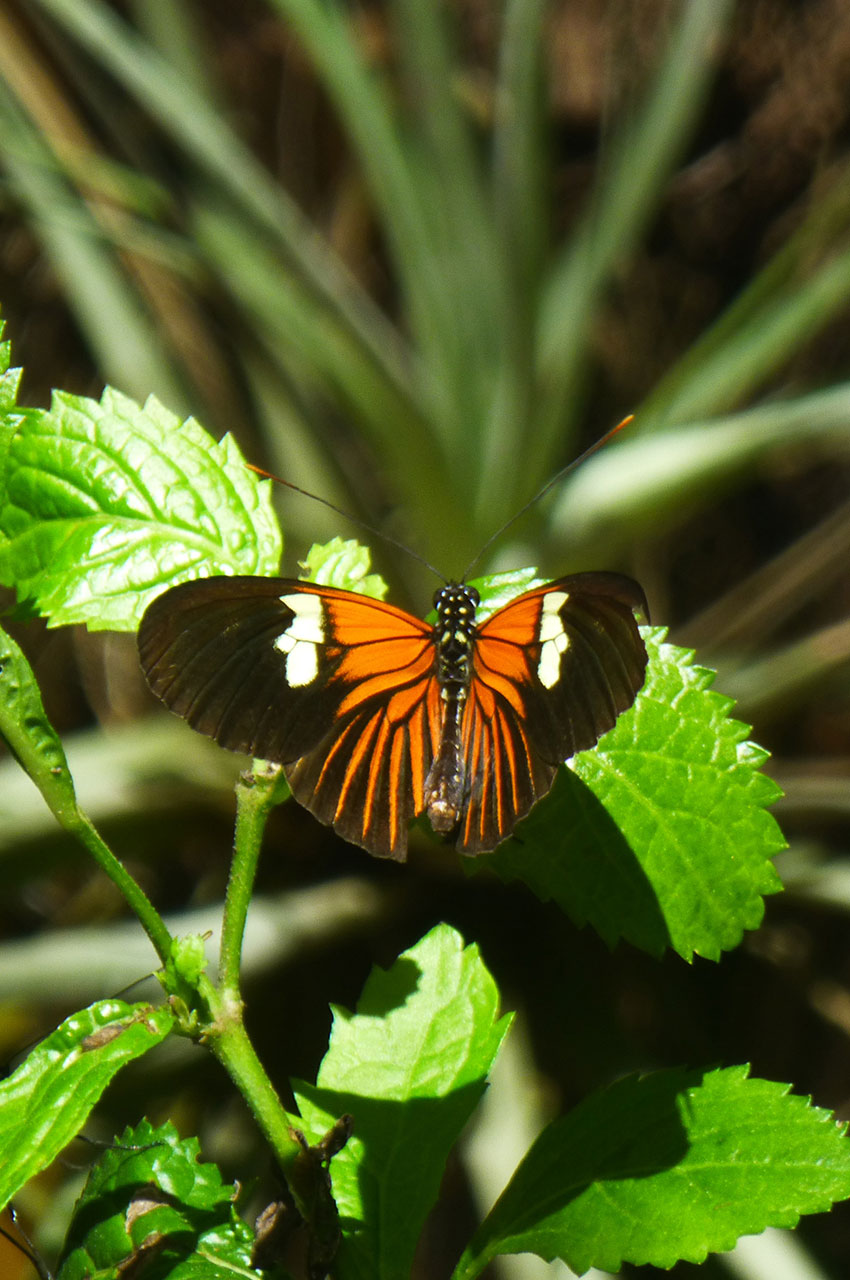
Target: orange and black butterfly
378	716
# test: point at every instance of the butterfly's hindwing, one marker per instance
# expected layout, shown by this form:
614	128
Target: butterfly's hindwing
366	778
505	774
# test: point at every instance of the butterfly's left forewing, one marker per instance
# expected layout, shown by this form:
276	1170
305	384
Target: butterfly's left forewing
552	670
337	687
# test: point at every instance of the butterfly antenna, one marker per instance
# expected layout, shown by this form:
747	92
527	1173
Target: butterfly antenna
346	515
550	484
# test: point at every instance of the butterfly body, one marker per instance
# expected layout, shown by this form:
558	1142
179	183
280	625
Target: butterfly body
378	716
454	633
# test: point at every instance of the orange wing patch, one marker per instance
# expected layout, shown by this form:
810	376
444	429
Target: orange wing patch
376	669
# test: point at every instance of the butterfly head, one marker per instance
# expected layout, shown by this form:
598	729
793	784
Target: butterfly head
457	599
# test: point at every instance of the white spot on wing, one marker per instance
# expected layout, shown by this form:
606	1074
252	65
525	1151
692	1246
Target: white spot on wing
554	638
302	664
299	640
308	623
550	622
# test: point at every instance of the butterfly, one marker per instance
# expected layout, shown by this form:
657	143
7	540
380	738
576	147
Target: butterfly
378	716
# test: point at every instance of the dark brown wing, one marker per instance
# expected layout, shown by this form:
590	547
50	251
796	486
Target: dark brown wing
552	670
334	685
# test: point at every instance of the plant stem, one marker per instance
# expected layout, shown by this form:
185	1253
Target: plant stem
257	793
256	796
151	921
238	1056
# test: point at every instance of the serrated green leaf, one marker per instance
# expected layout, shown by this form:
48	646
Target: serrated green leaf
9	383
105	503
666	1167
46	1102
151	1192
10	379
659	835
409	1066
345	563
27	731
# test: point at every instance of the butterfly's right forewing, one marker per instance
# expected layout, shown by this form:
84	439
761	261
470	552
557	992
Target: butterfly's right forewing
552	671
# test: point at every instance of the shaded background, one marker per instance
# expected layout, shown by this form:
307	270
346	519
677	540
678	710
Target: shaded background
421	304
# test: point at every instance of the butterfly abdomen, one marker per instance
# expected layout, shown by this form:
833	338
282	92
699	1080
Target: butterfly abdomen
454	632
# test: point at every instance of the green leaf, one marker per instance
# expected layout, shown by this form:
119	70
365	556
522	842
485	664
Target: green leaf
659	834
46	1102
666	1167
149	1201
105	503
10	379
27	731
9	383
343	562
409	1066
496	589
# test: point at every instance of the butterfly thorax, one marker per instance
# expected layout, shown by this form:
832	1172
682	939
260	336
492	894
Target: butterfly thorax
454	631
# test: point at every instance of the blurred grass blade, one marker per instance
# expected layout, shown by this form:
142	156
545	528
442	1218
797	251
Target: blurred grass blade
656	479
203	136
307	344
449	187
721	374
813	787
519	197
117	773
172	28
61	966
773	684
123	337
520	176
639	163
763	302
438	229
368	117
763	602
300	330
776	1254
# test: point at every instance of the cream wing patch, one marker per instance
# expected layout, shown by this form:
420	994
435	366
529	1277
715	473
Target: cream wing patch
553	639
299	640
